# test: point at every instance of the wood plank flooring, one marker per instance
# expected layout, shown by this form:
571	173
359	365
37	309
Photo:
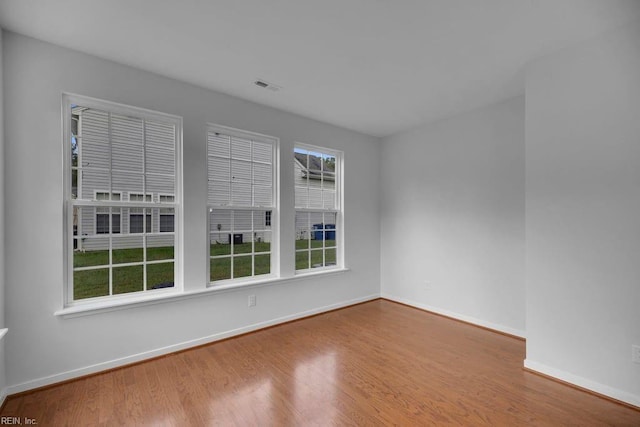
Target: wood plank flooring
378	363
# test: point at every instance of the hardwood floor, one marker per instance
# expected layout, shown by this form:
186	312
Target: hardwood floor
378	363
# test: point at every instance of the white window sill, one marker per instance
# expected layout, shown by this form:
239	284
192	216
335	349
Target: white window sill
139	301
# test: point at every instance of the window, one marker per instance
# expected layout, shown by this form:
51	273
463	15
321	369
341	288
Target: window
318	208
242	190
112	150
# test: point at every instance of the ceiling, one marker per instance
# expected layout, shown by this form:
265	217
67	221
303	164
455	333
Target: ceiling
375	66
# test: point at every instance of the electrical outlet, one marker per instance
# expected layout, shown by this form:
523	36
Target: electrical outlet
252	300
635	353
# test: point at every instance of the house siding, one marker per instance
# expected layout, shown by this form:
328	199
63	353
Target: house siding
132	156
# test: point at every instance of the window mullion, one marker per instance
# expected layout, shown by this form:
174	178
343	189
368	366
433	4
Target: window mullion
109	133
232	243
110	225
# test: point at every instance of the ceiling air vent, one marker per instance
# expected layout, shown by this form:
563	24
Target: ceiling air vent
267	85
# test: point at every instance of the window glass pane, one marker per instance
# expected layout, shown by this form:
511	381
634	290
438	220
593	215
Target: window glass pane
329	199
88	258
242	221
220	221
160	183
160	247
167	223
89	250
262	174
219	145
126	130
127	157
241	245
301	195
102	223
140	220
262	241
159	160
219	193
262	196
240	148
302	260
330	257
159	134
315	195
127	279
263	264
242	266
328	163
317	258
241	193
90	283
262	152
220	269
127	249
220	249
74	184
127	181
160	276
301	155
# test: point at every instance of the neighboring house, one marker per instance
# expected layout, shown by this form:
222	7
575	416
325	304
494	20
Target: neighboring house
109	152
221	221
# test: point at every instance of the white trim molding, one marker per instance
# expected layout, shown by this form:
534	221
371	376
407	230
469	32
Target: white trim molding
479	322
596	387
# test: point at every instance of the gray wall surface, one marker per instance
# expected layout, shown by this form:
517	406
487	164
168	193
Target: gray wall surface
452	216
43	348
583	210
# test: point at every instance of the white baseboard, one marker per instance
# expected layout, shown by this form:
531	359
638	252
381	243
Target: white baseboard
605	390
3	391
103	366
458	316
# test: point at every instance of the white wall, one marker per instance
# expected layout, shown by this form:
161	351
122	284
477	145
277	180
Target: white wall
583	214
2	274
452	214
43	348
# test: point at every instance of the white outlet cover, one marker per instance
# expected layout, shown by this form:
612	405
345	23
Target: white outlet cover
252	300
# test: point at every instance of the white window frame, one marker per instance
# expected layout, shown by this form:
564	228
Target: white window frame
274	208
338	210
70	203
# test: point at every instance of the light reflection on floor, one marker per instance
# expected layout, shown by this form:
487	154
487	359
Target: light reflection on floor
314	392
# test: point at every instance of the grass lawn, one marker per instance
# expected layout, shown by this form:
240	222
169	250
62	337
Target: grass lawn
95	283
